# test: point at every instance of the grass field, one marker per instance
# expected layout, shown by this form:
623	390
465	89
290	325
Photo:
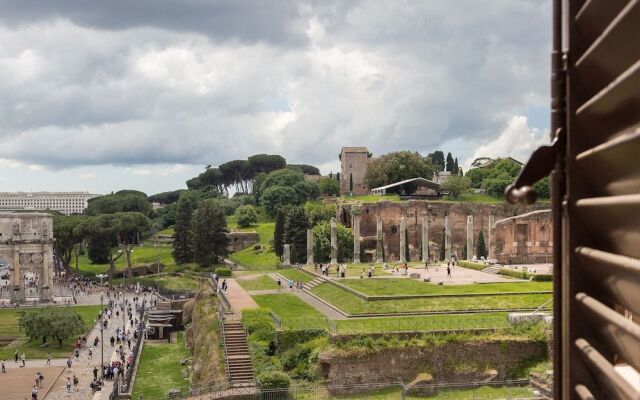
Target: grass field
355	270
372	198
264	258
480	393
261	282
146	253
293	312
9	328
423	323
354	305
384	287
159	370
295	275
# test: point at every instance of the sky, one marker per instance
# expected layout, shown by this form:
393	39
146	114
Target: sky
141	94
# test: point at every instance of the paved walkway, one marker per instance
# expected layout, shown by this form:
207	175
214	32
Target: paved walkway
239	299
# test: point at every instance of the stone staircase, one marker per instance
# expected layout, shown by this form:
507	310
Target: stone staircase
239	366
314	282
491	270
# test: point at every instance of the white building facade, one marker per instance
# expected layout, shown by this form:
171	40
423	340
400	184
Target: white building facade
64	202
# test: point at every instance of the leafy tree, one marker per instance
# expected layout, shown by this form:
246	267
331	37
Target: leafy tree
304	168
166	197
59	323
237	172
181	241
165	217
208	234
276	197
437	160
450	163
455	167
322	243
543	188
295	234
266	163
328	187
481	247
278	233
124	200
495	186
246	215
66	230
476	176
397	166
455	185
317	213
305	191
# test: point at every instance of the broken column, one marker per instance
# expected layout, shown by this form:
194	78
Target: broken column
425	238
490	254
356	239
379	239
403	240
447	238
334	242
309	247
469	237
286	255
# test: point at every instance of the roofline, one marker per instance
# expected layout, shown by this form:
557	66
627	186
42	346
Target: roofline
424	180
525	215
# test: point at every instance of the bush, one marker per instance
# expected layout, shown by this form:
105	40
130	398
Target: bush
456	185
514	273
542	278
246	215
472	265
258	321
274	380
223	271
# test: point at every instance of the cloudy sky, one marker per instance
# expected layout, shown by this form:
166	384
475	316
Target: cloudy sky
105	95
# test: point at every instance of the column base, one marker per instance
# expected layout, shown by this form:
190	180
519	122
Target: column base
46	294
310	260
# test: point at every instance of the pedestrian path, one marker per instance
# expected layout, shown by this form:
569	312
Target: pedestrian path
238	297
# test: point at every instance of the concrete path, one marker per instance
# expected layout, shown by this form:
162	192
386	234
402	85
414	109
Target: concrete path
318	305
239	299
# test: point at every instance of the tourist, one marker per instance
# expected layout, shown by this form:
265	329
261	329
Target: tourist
448	272
24	359
4	369
290	284
68	385
15	356
49	358
279	284
426	265
69	362
34	393
95	373
90	354
41	379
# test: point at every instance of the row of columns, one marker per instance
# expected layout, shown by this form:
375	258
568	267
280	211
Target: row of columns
403	240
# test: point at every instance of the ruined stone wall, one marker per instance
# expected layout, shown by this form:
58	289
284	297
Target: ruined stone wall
449	362
525	238
414	210
239	240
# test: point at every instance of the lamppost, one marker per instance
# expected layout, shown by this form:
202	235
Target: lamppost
101	337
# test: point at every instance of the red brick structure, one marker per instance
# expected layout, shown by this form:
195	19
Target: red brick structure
354	162
525	238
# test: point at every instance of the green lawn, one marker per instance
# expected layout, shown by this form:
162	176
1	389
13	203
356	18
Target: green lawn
9	328
354	305
295	275
294	313
261	282
355	270
146	253
168	231
159	370
480	393
264	258
389	287
423	323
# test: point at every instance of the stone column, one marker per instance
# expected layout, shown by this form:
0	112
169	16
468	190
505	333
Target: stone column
18	290
489	241
356	239
447	237
425	238
403	239
379	250
334	242
47	263
309	247
469	237
286	262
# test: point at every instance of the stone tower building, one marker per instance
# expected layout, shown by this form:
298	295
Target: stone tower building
353	167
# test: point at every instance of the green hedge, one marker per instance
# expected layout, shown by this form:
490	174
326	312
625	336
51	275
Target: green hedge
542	278
472	265
274	380
514	273
290	338
223	271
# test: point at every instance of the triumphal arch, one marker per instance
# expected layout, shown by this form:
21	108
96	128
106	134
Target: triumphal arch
26	255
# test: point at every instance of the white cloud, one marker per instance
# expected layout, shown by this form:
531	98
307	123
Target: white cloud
517	140
88	176
137	171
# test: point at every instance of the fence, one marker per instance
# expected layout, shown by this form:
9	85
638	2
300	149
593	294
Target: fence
507	390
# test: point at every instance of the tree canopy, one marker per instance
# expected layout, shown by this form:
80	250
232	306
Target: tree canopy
397	166
59	323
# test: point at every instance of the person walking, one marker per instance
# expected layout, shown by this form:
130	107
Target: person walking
75	383
49	358
69	362
68	385
34	393
95	373
279	284
15	356
4	368
24	359
41	380
448	272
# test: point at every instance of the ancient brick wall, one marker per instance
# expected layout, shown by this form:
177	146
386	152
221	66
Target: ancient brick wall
414	210
449	362
526	238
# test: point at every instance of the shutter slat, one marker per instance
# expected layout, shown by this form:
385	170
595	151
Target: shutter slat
614	329
612	52
593	18
604	373
613	221
608	166
618	276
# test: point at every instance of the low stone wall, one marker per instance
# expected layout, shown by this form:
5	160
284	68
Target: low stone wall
240	240
448	362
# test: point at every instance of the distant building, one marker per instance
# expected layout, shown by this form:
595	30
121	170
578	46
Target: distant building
64	202
156	205
354	162
441	176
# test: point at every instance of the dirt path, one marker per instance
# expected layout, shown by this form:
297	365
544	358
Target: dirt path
239	299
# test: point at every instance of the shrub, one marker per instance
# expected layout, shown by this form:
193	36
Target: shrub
246	215
514	273
223	271
542	278
259	324
472	265
274	380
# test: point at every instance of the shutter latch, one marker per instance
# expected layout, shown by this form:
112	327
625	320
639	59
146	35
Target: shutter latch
539	166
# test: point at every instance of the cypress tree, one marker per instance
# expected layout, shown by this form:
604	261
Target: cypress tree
278	232
350	183
442	250
455	167
449	166
209	233
481	248
181	246
295	234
